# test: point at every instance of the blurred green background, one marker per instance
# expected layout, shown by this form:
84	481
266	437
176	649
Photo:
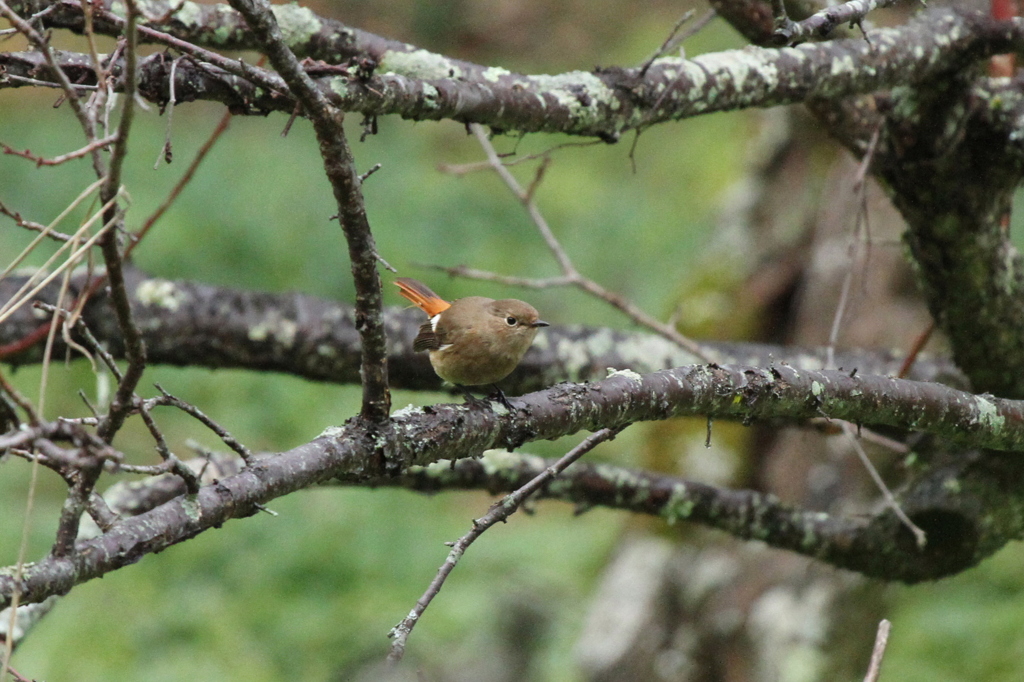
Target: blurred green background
310	594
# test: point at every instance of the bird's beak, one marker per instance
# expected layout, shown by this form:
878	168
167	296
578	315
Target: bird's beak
540	323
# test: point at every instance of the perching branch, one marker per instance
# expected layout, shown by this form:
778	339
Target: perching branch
420	436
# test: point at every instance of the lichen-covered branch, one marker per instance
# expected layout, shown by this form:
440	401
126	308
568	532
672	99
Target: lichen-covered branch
608	101
950	156
191	324
955	504
358	451
821	24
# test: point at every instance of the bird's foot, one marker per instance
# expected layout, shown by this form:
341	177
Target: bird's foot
496	395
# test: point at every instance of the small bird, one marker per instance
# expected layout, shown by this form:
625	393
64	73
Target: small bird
474	340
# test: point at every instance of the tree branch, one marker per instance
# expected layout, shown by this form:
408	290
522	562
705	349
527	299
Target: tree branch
190	324
608	101
347	185
419	436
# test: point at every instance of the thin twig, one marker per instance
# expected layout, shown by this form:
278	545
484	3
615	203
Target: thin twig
186	177
669	40
861	221
373	169
915	350
828	426
45	84
21	298
476	166
102	74
63	158
135	347
175	465
881	639
821	24
499	511
34	226
509	280
18	677
890	499
571	276
666	90
19	568
261	77
20	400
48	228
221	432
165	151
98	348
41	44
340	169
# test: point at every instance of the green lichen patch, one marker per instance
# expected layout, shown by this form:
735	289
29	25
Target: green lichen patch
275	327
161	293
679	506
418	64
298	24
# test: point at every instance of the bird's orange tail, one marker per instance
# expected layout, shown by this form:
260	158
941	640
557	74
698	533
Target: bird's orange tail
420	294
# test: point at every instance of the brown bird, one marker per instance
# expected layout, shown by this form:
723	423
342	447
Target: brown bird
474	340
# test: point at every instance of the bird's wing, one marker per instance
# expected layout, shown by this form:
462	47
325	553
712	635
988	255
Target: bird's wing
427	339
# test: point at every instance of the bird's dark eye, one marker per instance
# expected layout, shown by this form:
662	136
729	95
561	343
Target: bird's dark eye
511	321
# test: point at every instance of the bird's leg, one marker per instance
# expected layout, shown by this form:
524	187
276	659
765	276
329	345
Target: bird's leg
499	395
471	399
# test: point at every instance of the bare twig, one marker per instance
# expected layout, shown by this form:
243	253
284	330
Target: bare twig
82	196
499	511
98	349
261	77
665	46
21	298
915	350
174	464
373	169
18	677
135	348
63	158
476	166
570	276
675	37
861	220
186	177
165	151
221	432
34	226
21	401
33	482
821	24
881	639
344	178
45	84
890	500
70	92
